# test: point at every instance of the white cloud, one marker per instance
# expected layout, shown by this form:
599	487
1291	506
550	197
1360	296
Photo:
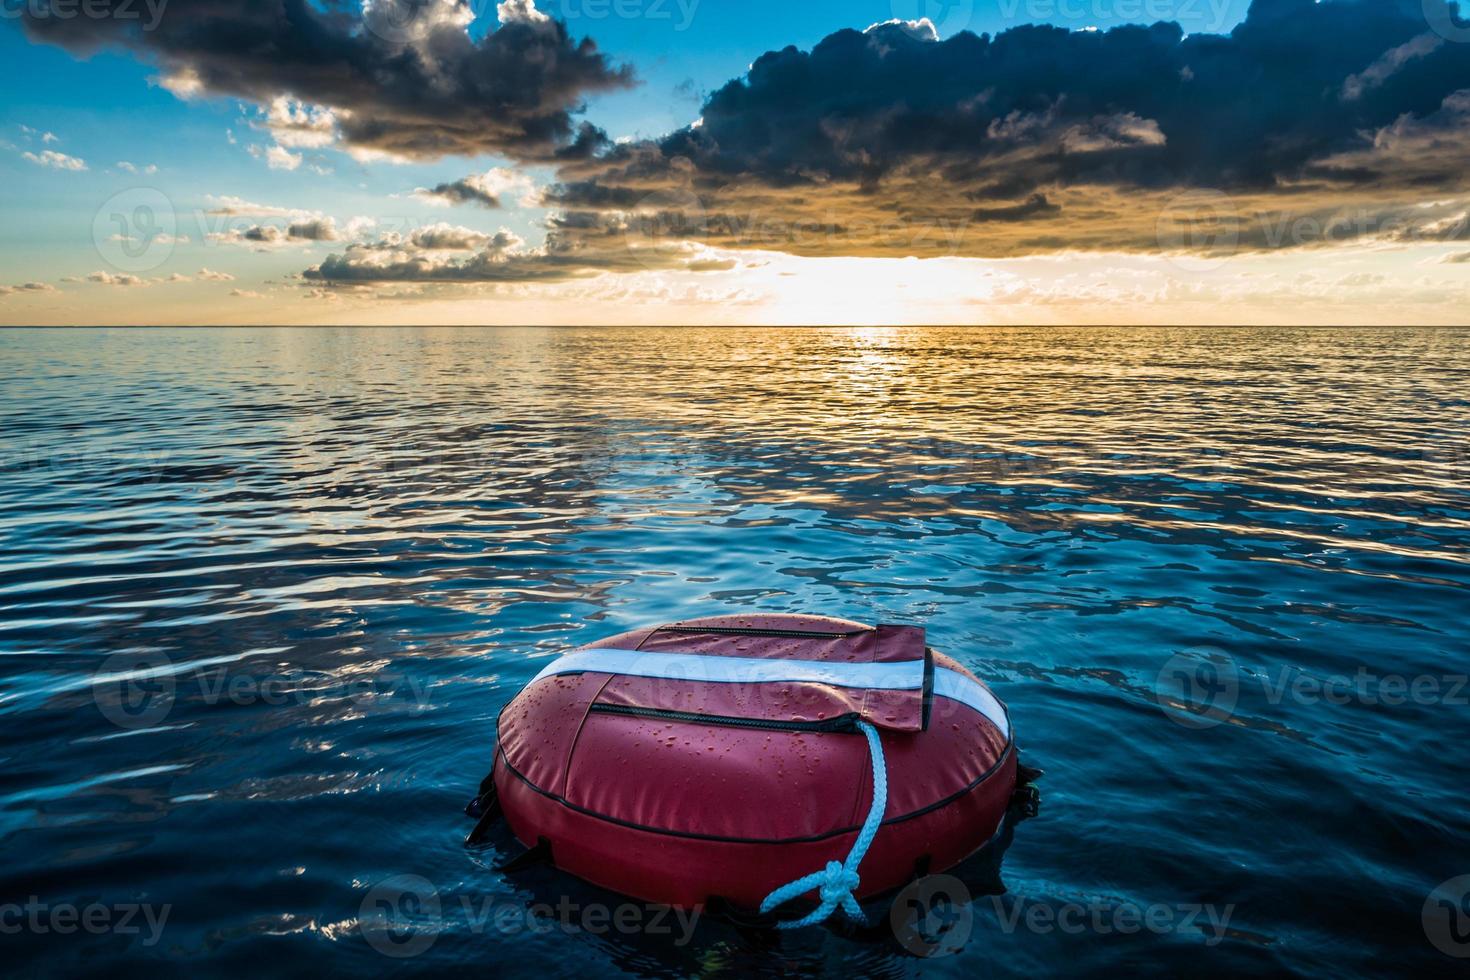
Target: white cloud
133	168
28	287
280	158
209	275
46	137
520	12
303	229
363	154
490	188
109	279
231	206
359	224
55	160
161	238
298	124
922	29
184	83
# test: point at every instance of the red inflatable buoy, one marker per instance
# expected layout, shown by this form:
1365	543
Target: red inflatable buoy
725	757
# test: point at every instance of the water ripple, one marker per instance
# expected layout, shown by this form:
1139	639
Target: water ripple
264	592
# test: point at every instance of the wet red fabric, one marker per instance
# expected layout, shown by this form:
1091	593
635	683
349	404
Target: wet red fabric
677	810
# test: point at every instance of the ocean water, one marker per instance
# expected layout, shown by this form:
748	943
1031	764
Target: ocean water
263	592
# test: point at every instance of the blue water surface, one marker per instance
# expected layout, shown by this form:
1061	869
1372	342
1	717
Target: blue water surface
263	593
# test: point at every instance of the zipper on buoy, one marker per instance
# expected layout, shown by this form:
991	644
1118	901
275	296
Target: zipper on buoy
840	723
751	631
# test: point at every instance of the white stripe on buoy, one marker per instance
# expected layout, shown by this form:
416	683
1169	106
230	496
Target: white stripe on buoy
716	669
957	687
906	675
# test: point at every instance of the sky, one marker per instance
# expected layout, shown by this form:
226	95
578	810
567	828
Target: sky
721	162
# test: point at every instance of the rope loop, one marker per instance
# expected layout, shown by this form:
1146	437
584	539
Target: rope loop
837	883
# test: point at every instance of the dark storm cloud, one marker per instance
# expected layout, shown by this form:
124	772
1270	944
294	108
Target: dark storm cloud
1143	106
313	230
304	229
578	244
1309	125
886	143
402	76
466	190
1036	204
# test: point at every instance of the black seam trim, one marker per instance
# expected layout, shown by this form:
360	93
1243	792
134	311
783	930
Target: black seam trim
742	631
928	701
